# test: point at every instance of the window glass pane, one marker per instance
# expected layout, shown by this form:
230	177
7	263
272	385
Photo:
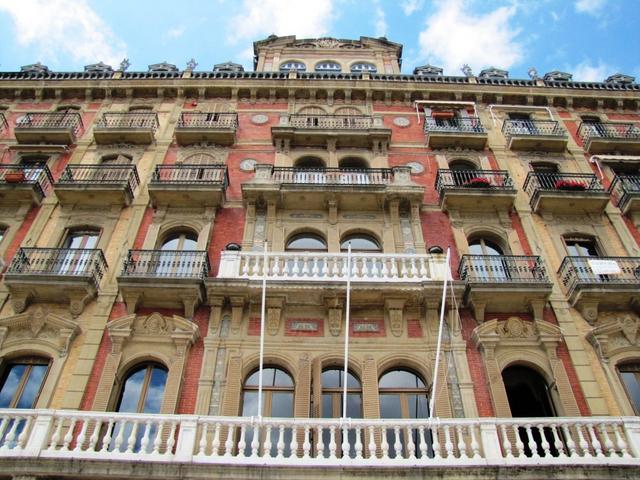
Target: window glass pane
250	404
327	406
10	386
131	392
331	378
400	379
354	405
390	406
281	404
360	243
282	379
418	406
155	391
632	385
32	386
306	242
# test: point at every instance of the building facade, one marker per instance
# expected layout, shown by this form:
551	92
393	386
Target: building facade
140	213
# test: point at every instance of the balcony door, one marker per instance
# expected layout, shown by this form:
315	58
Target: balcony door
75	256
34	165
462	172
111	173
354	171
521	124
309	170
583	247
176	258
491	264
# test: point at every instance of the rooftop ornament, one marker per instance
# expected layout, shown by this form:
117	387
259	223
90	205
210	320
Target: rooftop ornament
35	68
99	67
466	69
191	65
124	64
533	73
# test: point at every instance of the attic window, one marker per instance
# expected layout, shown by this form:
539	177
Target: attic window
288	66
363	67
328	67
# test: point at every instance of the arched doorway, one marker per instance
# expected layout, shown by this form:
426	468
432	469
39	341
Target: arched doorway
529	397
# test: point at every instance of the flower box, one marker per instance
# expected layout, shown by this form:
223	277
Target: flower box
14	177
570	185
477	183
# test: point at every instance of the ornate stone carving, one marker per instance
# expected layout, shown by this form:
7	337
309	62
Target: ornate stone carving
274	310
259	119
395	311
616	333
402	122
514	327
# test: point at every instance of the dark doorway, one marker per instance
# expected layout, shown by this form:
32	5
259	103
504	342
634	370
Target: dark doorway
528	395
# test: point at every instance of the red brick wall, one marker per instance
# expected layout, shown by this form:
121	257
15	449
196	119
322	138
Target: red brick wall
517	226
436	230
632	229
147	218
193	365
18	238
253	328
227	228
414	329
476	367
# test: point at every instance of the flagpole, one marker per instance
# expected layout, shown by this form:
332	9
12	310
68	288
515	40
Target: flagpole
262	315
346	334
434	390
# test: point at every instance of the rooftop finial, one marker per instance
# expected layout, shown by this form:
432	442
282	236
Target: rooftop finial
192	64
124	64
533	73
466	69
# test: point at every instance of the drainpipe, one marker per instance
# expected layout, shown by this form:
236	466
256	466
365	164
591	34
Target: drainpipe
442	102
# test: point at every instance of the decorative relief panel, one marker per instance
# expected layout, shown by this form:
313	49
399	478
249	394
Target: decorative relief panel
616	333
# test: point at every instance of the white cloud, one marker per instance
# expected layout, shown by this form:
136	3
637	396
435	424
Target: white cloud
176	32
281	17
453	36
411	6
589	72
590	7
68	27
380	21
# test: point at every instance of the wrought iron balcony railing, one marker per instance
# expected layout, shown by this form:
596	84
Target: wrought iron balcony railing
304	442
470	180
599	271
332	176
625	188
538	182
331	122
64	262
128	120
38	176
208	120
608	130
51	121
532	128
327	267
188	174
502	269
173	264
101	175
3	123
454	125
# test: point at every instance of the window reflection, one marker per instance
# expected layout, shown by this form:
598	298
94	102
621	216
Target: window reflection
630	374
403	394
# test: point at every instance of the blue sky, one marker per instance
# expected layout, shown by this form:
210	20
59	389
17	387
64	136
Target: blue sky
589	38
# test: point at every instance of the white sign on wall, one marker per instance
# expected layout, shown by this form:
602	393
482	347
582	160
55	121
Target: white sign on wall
604	267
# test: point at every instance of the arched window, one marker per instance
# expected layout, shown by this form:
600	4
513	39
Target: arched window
332	380
22	381
309	162
462	171
363	67
180	241
277	401
293	65
306	242
328	66
403	394
528	395
360	242
484	246
142	392
630	375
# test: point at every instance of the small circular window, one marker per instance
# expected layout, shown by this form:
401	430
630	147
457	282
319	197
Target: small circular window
287	66
363	67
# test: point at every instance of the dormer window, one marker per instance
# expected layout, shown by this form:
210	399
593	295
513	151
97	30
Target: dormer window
363	67
328	67
288	66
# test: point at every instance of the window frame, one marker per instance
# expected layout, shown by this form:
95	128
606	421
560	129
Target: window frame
30	361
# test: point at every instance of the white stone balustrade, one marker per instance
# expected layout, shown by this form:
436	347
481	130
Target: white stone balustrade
66	434
327	267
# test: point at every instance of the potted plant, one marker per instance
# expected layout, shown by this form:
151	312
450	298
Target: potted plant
477	182
14	176
570	185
